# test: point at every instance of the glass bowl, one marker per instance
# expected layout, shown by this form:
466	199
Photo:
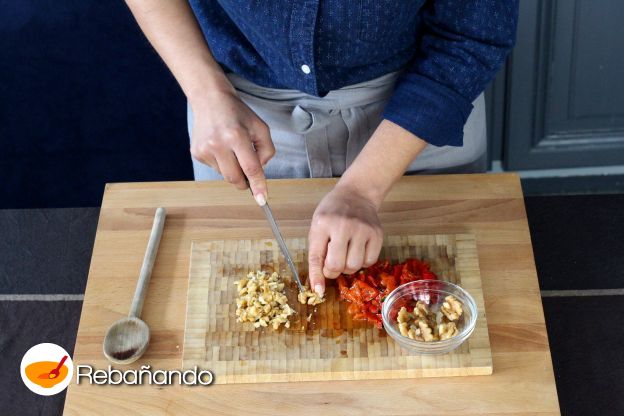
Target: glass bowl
432	292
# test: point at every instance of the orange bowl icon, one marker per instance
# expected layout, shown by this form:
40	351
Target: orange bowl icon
41	373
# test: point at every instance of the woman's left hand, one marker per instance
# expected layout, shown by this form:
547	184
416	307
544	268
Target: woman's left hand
345	235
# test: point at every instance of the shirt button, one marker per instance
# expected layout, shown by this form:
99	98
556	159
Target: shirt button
305	69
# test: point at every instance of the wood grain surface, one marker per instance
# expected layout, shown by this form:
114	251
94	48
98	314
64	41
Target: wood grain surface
331	346
491	207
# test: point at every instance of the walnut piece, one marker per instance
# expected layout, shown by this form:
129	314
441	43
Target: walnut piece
447	330
415	333
309	297
417	325
451	308
404	316
426	332
421	324
421	309
261	300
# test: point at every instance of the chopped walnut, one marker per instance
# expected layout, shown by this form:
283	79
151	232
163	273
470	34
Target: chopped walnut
451	308
309	297
261	300
421	324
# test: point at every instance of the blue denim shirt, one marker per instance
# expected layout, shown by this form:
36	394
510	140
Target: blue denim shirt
448	49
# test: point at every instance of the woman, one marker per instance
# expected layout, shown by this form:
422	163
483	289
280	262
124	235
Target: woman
366	90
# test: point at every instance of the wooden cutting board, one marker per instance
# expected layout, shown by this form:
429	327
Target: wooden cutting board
330	346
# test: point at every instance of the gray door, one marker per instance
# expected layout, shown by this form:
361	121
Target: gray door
565	86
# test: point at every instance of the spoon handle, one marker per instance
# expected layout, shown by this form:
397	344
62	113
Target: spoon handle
148	263
60	364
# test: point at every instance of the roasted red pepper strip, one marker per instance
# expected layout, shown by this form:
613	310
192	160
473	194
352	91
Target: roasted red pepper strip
388	281
397	271
374	307
366	289
370	279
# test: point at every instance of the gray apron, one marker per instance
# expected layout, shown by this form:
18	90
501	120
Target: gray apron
321	136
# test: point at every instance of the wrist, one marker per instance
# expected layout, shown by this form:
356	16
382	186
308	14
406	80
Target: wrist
362	189
381	163
208	86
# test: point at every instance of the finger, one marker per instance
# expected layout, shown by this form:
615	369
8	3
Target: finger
317	249
250	164
210	161
336	257
206	159
202	153
355	254
373	248
215	166
261	138
230	169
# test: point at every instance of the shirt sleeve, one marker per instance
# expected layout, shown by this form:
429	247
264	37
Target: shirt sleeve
462	46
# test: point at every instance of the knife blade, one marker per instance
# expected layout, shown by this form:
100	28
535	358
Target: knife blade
278	236
282	244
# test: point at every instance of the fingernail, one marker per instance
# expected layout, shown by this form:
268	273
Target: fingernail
260	199
318	288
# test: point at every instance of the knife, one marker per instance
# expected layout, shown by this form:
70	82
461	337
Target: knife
281	243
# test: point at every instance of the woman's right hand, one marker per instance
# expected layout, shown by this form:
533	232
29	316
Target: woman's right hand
229	137
226	134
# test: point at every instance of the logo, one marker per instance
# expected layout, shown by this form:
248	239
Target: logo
46	369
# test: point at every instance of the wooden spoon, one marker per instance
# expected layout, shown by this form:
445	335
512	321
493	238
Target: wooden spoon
128	338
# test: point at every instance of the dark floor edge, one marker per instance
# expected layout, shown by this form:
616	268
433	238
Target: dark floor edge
578	185
42	298
584	292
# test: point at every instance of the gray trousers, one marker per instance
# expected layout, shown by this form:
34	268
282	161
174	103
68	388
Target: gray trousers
320	137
